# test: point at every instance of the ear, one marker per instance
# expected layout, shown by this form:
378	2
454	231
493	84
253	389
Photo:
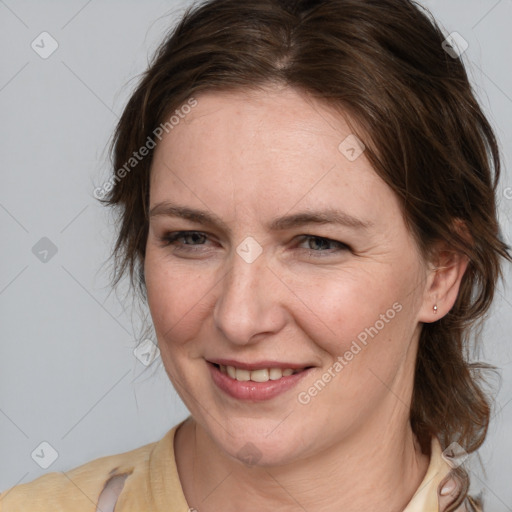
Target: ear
443	283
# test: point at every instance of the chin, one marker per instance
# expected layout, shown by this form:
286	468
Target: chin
265	455
261	445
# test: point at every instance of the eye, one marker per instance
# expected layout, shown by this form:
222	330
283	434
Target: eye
318	244
182	239
197	241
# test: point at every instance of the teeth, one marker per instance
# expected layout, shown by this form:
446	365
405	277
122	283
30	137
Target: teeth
275	373
242	374
262	375
259	375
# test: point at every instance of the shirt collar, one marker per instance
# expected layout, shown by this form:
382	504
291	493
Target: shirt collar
425	498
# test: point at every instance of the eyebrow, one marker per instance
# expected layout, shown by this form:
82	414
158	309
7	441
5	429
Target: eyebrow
321	217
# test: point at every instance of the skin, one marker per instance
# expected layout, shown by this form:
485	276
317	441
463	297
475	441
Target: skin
248	158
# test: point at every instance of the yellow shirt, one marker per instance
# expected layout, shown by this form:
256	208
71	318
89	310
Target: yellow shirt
153	484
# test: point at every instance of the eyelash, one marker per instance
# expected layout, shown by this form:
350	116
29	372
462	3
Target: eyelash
171	238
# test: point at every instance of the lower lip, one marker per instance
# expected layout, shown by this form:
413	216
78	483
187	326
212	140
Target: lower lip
254	391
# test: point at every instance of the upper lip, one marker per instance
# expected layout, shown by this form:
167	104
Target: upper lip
258	365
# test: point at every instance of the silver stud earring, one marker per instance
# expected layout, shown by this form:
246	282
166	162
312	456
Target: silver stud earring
435	308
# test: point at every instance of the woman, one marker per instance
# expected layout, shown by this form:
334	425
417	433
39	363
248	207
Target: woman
306	196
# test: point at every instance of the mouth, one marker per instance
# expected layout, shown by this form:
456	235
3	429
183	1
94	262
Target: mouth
259	375
255	383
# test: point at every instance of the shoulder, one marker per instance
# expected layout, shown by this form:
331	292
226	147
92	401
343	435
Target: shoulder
79	488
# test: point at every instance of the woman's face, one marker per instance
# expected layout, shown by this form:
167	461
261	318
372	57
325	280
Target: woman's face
293	254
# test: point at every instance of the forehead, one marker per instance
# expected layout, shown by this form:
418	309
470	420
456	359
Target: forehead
266	150
280	119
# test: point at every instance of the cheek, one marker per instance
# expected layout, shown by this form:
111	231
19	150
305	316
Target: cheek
352	305
176	295
363	328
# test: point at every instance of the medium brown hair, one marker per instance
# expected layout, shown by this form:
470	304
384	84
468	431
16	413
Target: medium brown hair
382	62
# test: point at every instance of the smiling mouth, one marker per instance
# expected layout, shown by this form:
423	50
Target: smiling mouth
260	375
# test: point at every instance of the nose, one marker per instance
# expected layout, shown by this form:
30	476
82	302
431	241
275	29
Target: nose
250	303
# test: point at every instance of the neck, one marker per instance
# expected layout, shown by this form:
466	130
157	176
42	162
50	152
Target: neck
374	469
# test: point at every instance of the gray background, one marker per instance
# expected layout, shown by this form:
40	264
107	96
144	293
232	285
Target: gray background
68	373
